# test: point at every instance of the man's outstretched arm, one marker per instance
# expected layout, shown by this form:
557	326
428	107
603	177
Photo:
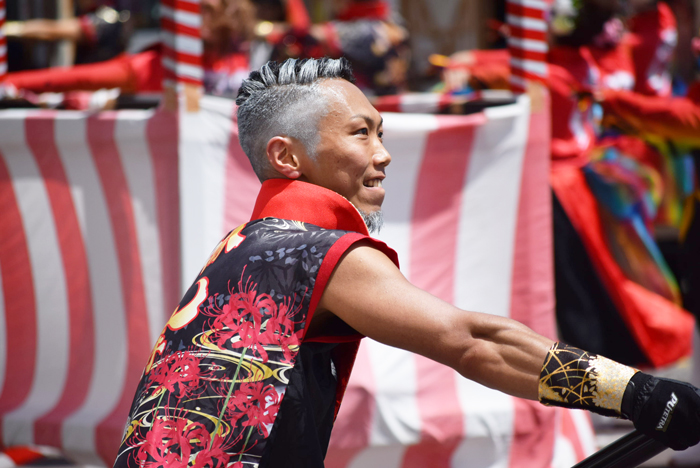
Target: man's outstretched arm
370	294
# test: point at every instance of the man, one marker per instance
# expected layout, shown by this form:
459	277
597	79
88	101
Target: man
250	369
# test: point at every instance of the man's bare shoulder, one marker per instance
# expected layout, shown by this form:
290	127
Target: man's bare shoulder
363	268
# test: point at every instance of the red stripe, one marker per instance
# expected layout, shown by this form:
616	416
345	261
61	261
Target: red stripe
528	54
179	28
20	301
100	132
188	80
515	9
40	138
533	434
442	422
532	286
242	185
436	210
190	7
352	428
182	57
435	222
568	430
387	103
162	134
522	33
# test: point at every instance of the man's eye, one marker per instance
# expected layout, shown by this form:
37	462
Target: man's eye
363	131
381	135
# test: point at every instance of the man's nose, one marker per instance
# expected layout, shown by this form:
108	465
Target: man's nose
382	156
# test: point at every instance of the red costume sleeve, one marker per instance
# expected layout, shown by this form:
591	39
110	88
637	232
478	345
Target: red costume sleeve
674	118
132	73
654	35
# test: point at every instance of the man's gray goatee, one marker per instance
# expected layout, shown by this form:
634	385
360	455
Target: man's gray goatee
374	221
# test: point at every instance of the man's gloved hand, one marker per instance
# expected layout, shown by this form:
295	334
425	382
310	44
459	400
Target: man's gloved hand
664	409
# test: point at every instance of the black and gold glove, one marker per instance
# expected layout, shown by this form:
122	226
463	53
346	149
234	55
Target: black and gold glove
664	409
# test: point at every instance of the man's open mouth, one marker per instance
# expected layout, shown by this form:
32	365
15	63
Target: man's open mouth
373	183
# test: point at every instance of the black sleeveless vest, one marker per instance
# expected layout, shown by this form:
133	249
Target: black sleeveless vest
232	378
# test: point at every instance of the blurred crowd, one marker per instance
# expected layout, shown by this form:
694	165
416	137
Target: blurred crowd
625	106
237	36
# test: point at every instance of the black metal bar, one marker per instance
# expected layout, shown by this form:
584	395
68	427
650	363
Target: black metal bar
628	451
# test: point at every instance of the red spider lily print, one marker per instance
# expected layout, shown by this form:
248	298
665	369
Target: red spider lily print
258	403
172	442
243	317
179	373
280	330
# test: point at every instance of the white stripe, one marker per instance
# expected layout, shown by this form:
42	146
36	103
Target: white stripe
405	136
132	142
397	419
483	275
518	81
527	23
111	341
584	430
489	211
528	44
183	43
3	50
420	102
3	68
564	455
2	14
49	281
203	149
192	20
532	66
488	426
183	69
380	457
6	462
538	4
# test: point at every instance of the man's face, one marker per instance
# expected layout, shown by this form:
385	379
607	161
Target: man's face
350	157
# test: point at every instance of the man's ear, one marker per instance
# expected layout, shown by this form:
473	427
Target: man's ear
282	153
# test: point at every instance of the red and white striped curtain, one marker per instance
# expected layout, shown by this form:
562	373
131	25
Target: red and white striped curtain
528	23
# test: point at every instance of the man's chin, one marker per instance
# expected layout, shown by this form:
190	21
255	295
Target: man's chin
373	220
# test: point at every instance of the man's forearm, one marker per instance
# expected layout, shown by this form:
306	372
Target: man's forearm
505	355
